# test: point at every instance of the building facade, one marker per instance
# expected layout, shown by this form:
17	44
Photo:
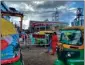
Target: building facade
79	20
36	26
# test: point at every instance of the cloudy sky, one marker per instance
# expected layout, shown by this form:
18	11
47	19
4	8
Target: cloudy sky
42	10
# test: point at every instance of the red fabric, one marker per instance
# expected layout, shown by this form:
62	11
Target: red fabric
3	44
54	40
22	36
38	36
53	50
54	43
10	60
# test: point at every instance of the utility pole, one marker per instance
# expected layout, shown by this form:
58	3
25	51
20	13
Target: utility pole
55	15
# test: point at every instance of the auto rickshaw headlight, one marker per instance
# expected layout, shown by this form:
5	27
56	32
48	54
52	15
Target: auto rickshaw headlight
72	54
68	54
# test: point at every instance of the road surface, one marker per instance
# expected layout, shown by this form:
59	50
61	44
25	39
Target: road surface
37	56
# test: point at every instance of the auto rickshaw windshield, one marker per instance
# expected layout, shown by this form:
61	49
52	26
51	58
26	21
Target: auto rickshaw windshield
71	37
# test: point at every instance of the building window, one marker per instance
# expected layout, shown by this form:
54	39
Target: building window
42	28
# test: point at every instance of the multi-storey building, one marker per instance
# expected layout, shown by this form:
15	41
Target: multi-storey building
42	25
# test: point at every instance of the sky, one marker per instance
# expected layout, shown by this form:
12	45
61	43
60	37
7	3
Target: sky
42	10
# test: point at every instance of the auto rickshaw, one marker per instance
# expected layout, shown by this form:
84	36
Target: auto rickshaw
42	37
10	49
71	47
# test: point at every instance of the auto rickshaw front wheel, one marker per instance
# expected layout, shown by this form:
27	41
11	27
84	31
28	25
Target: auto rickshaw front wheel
58	62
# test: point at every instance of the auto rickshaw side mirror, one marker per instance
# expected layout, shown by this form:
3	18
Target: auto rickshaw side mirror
60	46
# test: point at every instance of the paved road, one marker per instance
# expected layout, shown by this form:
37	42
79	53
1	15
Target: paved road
37	56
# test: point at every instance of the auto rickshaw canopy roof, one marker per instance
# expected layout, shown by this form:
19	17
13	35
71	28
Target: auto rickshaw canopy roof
7	28
43	32
75	27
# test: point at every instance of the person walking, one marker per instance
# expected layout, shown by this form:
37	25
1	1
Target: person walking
54	43
49	44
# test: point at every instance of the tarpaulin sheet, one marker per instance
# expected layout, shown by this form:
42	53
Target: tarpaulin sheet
8	52
7	27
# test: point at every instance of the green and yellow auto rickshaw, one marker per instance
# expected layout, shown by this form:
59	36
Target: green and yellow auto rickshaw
42	37
71	47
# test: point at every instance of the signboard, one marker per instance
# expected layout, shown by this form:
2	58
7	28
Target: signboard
43	23
38	36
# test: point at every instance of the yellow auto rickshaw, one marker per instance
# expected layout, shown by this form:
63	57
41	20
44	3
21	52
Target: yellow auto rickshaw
71	47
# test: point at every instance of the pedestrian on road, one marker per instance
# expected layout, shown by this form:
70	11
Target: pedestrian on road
49	44
23	36
54	42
